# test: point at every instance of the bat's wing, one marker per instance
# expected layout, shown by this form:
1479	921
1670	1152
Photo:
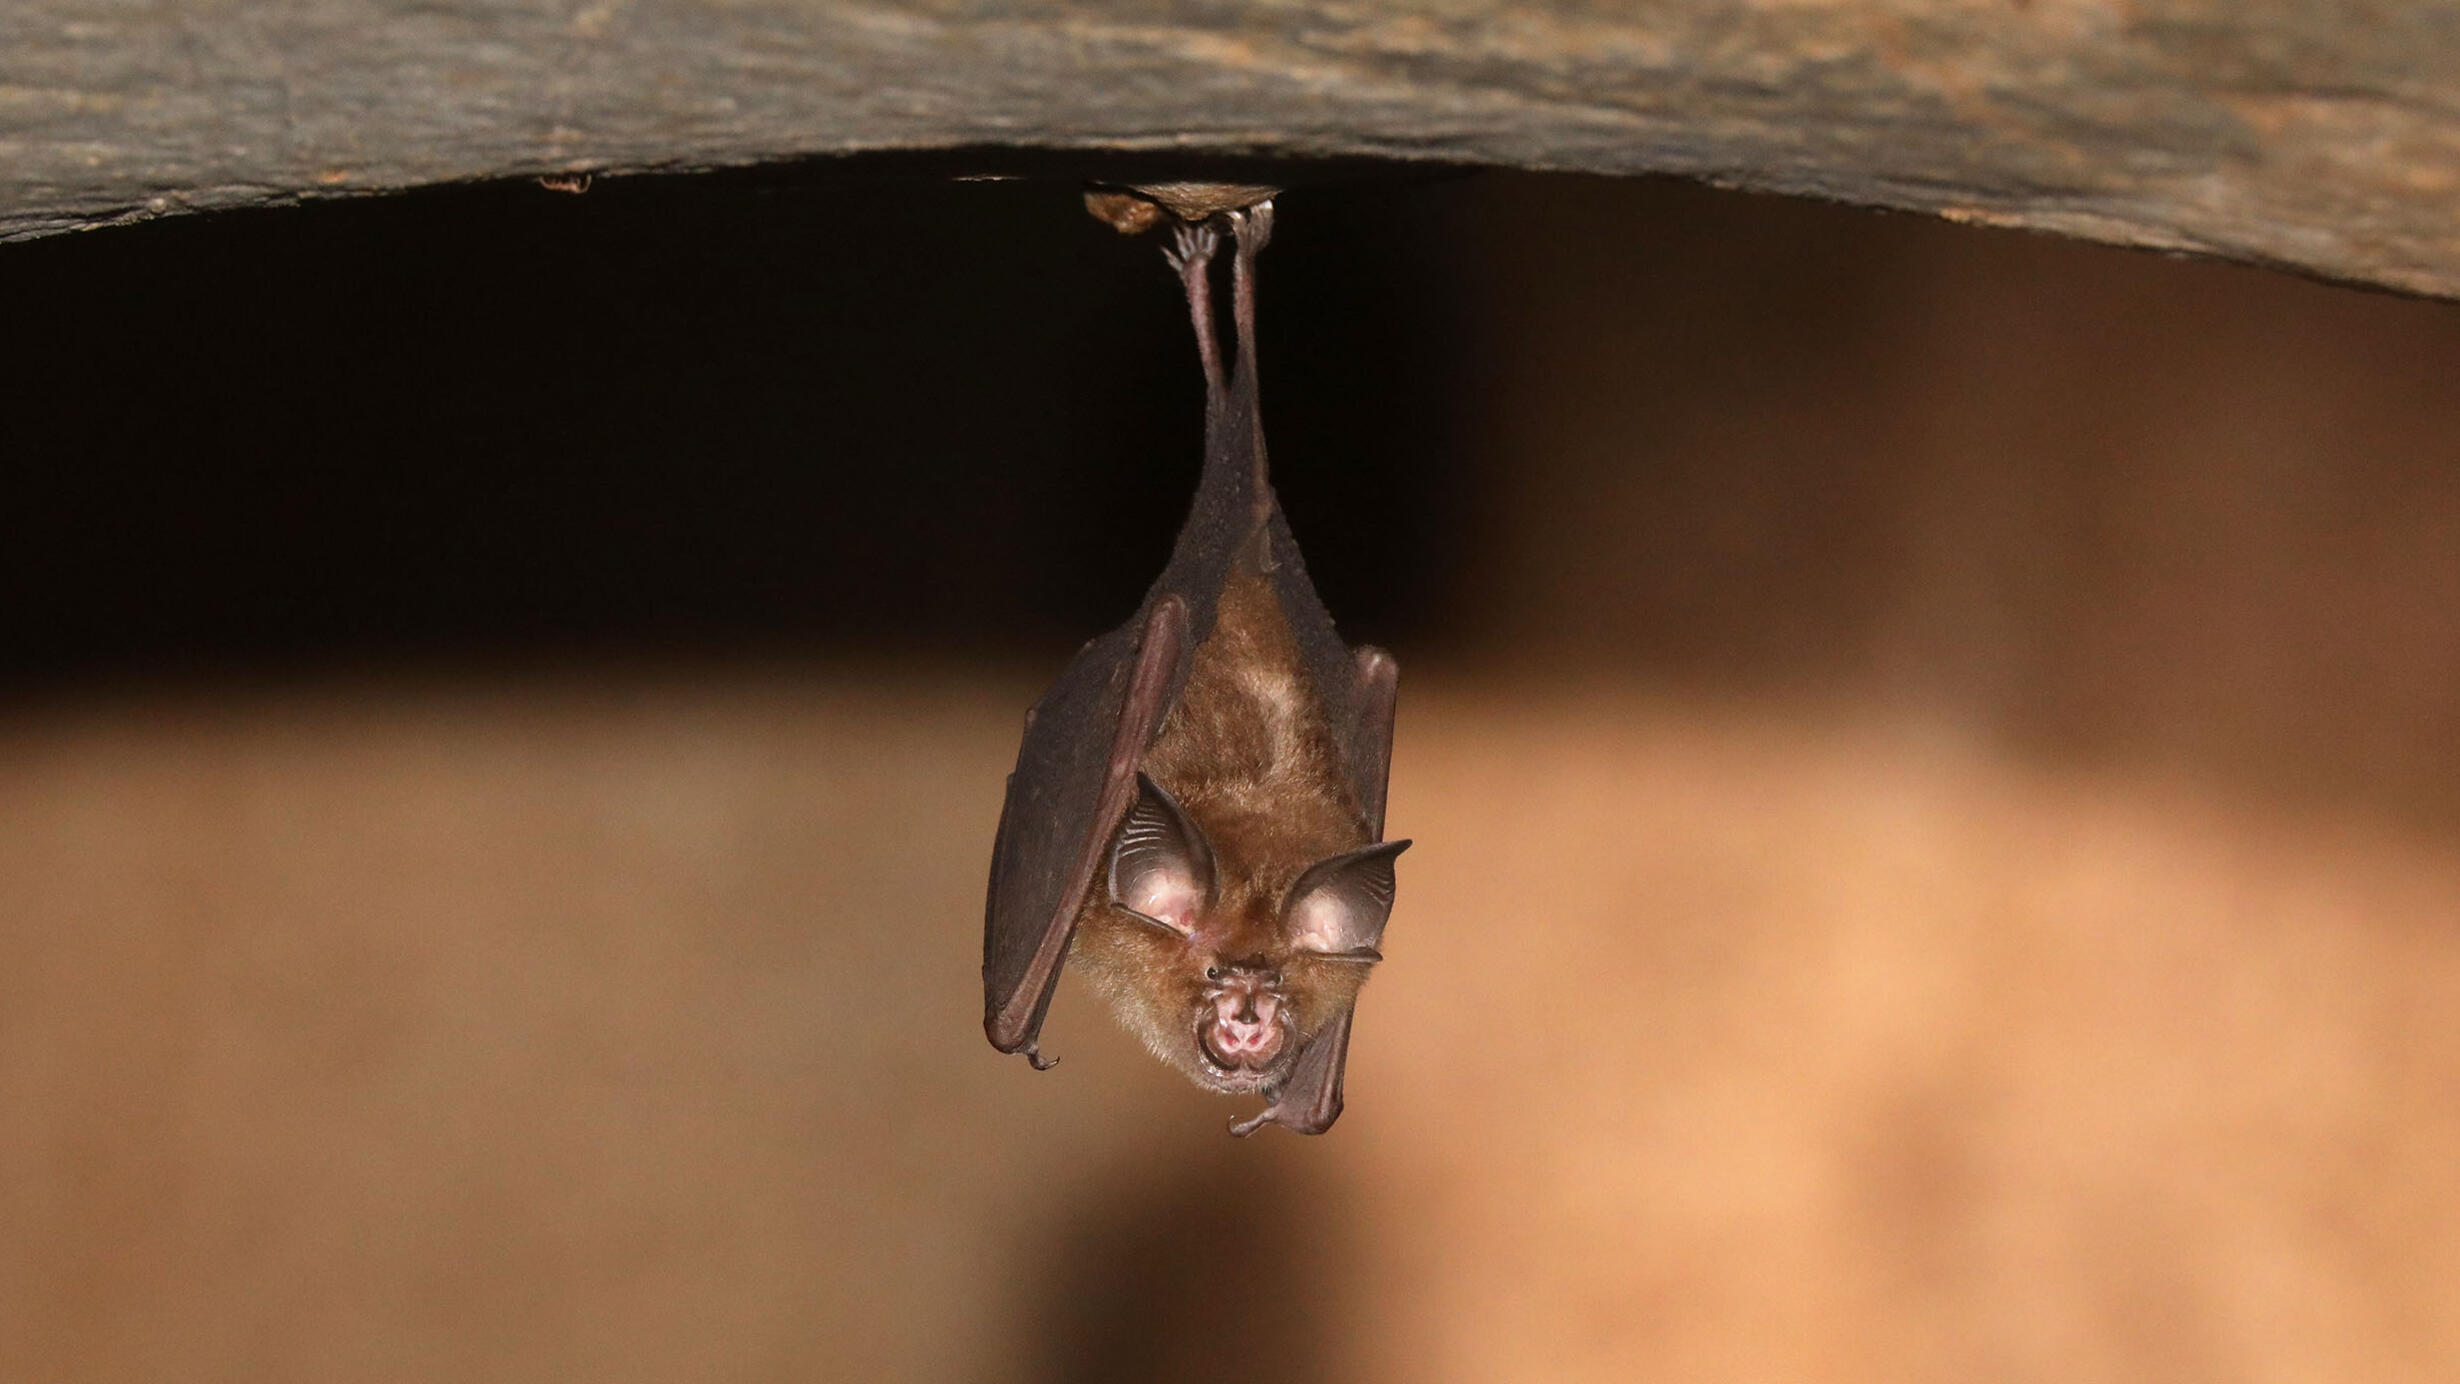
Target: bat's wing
1310	1100
1377	687
1075	779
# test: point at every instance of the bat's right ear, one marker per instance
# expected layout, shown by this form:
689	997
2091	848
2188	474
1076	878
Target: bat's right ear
1162	870
1337	909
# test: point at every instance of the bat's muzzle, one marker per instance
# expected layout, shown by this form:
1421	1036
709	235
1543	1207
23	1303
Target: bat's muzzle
1244	1030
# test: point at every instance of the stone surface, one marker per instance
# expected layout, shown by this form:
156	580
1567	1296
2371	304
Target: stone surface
2315	135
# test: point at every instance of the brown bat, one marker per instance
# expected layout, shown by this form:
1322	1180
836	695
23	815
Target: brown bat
1197	812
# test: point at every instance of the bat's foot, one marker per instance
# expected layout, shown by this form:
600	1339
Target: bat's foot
1191	253
1191	247
1253	227
1035	1060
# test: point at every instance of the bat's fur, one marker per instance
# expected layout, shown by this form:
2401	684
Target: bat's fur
1249	755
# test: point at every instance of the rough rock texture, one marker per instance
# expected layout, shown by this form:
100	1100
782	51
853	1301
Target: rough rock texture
2307	133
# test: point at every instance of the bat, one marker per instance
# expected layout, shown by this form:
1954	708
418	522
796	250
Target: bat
1196	818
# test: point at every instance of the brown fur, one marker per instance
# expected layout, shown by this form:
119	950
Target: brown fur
1248	753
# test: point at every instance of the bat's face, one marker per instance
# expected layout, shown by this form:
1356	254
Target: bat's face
1223	961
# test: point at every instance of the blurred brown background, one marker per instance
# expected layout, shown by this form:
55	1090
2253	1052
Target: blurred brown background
1935	757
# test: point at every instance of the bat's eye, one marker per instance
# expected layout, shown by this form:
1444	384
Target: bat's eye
1212	973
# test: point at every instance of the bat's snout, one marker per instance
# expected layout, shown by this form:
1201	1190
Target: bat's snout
1243	1029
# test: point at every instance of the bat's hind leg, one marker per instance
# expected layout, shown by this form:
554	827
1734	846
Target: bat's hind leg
1191	254
1254	229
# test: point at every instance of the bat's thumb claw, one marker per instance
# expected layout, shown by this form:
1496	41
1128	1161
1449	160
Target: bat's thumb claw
1035	1060
1240	1129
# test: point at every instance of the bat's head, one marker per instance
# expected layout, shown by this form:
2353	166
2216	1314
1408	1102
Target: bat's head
1226	960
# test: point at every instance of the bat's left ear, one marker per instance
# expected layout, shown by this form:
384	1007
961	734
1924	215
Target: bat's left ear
1162	869
1337	909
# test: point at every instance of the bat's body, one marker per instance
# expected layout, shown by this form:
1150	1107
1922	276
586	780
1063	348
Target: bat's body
1197	808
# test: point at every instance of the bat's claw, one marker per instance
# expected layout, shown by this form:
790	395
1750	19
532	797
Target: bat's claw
1035	1060
1191	245
1269	1115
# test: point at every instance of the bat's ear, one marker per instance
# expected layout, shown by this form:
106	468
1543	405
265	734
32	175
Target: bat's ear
1337	909
1162	870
